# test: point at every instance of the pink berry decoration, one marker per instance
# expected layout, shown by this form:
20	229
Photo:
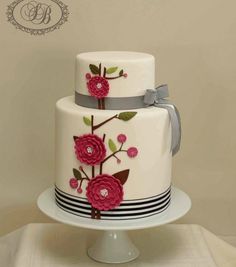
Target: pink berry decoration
98	87
79	190
121	138
90	149
132	152
73	183
125	75
104	192
88	76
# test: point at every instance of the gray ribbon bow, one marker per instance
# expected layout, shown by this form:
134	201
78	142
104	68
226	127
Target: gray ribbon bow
156	97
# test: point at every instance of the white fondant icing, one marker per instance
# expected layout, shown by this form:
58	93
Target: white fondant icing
149	131
140	69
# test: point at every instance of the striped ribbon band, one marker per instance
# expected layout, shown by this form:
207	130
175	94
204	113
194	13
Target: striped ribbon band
128	209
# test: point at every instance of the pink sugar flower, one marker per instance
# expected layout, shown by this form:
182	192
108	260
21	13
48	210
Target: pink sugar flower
98	87
121	138
104	192
90	149
132	152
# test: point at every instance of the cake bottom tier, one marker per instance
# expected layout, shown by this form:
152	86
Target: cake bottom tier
128	209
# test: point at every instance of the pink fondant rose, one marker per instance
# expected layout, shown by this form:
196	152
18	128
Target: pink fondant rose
90	149
98	87
104	192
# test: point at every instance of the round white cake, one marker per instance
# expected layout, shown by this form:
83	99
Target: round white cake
113	150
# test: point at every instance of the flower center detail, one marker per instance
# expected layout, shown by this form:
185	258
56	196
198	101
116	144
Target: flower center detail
104	192
89	149
99	85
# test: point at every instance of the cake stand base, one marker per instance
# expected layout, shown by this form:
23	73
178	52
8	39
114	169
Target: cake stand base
114	245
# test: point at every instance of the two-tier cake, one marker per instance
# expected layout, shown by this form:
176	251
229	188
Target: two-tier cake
115	139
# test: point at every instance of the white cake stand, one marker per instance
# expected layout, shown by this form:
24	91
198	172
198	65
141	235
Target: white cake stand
114	245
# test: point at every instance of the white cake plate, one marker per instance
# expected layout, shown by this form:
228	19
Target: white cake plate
114	245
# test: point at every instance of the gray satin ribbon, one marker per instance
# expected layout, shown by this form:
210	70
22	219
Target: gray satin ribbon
156	98
120	103
153	97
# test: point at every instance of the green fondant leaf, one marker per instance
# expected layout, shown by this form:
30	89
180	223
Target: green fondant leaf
87	121
111	70
126	116
112	146
77	174
121	72
94	69
75	137
122	176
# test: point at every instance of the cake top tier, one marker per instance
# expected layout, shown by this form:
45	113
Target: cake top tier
114	74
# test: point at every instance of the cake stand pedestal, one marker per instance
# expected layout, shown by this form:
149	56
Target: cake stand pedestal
114	245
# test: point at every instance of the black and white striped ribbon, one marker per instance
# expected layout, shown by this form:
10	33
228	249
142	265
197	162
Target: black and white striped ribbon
128	209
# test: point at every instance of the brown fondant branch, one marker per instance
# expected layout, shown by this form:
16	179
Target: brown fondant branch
95	213
113	154
103	138
100	69
92	212
93	171
104	72
81	181
101	164
103	103
85	178
104	122
81	169
92	119
98	215
100	169
99	104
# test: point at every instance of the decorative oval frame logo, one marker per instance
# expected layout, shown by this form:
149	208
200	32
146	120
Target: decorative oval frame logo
37	17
